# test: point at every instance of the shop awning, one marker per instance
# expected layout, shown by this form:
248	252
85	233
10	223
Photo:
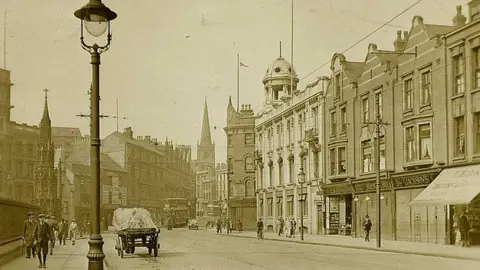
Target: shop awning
452	186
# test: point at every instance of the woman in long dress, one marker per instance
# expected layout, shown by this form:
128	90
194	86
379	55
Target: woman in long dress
287	229
456	230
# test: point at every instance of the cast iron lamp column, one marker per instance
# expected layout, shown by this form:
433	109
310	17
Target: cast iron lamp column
96	17
301	181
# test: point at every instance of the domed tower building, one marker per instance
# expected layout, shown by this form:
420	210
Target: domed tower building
288	133
278	82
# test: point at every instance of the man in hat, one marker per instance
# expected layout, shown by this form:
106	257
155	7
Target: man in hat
28	229
42	236
54	226
73	229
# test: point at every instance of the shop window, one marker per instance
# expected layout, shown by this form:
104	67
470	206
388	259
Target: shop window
410	143
342	160
425	142
459	130
367	156
425	87
408	94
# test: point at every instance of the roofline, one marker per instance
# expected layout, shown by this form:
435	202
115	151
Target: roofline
461	28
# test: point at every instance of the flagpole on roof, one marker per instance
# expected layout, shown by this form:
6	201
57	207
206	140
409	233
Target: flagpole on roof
238	82
291	57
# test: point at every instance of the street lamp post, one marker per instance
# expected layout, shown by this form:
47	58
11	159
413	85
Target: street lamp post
96	17
301	181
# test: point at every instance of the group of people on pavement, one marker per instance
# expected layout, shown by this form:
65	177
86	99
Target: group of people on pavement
40	235
461	227
224	224
288	227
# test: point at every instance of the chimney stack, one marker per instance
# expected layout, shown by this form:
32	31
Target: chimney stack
128	133
148	138
459	19
399	43
139	138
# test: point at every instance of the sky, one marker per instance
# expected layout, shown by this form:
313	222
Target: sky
166	56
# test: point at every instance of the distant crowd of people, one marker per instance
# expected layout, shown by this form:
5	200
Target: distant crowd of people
40	235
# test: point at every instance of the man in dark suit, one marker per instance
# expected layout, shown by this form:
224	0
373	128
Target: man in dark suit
28	229
42	235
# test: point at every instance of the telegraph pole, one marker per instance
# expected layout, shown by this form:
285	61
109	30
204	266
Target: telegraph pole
378	123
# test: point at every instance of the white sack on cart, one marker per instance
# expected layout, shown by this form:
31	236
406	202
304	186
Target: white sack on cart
132	218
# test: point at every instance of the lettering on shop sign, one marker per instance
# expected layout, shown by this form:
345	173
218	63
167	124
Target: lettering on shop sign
370	186
458	184
337	190
417	180
245	204
467	173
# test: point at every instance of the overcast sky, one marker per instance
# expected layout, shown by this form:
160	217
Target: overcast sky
164	58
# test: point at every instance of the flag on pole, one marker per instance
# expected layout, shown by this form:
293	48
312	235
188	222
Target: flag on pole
243	65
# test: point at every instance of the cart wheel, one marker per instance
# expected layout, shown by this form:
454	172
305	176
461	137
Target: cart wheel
121	248
155	247
117	247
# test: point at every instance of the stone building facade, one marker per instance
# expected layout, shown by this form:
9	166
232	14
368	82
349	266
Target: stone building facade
240	131
423	90
288	135
221	183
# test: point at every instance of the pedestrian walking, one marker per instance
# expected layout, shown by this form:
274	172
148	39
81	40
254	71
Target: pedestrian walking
260	229
288	229
219	226
42	236
54	227
240	226
464	227
73	230
281	224
367	226
293	227
28	234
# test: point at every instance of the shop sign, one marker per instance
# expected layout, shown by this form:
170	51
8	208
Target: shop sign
243	205
370	186
343	189
417	180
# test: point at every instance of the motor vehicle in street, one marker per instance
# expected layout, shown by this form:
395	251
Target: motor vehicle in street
193	224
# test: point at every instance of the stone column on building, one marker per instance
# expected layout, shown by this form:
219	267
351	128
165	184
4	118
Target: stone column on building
284	202
274	209
310	208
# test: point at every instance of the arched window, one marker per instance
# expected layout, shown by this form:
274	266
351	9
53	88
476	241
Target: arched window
249	188
249	164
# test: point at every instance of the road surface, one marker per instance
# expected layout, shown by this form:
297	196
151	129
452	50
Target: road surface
203	249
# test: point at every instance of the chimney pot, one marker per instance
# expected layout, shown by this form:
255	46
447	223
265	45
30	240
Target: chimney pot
399	34
405	35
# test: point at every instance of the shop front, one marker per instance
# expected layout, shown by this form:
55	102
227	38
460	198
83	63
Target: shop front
338	209
244	210
456	191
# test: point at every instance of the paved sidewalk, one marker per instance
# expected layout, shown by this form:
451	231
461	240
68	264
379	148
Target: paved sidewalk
64	257
436	250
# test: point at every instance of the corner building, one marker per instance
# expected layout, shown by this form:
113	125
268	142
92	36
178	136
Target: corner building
240	130
288	135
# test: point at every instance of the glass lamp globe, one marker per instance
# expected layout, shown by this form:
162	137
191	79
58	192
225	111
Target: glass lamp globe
95	24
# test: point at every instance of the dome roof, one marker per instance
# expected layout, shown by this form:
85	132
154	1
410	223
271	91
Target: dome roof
279	68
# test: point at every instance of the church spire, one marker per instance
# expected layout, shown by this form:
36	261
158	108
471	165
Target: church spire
205	138
46	116
46	123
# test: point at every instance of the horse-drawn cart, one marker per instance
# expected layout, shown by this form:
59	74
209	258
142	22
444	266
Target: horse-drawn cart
129	239
135	229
